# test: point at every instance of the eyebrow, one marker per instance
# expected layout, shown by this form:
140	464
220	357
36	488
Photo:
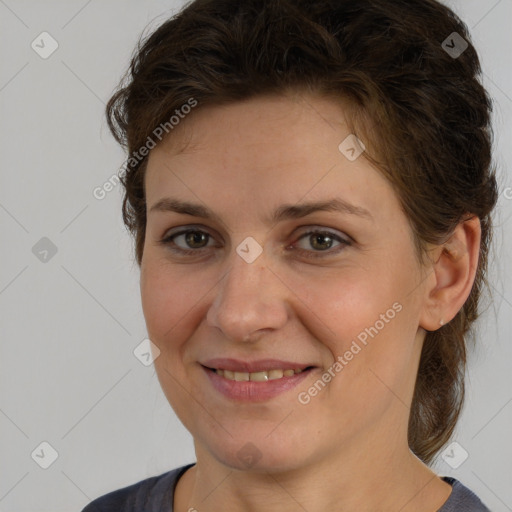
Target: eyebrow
284	212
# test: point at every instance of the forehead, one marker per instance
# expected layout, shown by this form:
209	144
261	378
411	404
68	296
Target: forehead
255	122
264	149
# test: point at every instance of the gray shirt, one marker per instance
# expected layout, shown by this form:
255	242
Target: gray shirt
156	494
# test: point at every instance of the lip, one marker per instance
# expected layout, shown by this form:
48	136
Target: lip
236	365
253	391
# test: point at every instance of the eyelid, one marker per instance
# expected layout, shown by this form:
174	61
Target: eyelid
167	240
342	243
178	230
315	228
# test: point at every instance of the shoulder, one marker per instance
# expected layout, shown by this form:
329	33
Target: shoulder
462	499
153	494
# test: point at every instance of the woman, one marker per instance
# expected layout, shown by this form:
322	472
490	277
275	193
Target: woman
309	186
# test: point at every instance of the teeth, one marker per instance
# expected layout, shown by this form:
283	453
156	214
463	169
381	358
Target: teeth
275	374
257	376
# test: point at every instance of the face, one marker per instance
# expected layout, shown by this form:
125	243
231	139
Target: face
266	250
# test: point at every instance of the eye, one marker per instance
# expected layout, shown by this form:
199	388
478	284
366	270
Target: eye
320	242
315	243
188	241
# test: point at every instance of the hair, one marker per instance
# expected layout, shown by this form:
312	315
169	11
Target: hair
422	113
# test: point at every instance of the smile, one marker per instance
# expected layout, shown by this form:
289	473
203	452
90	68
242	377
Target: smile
255	381
262	376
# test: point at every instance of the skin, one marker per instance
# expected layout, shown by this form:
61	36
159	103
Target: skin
347	448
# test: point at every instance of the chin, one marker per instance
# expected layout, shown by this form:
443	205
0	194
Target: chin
259	454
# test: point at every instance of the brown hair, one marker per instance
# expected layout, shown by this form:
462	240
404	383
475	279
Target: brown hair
421	112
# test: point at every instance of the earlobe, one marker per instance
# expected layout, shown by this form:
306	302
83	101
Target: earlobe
454	269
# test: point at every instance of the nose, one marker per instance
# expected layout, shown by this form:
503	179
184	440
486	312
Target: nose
251	300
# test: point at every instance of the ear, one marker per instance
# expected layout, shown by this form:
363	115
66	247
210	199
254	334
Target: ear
453	273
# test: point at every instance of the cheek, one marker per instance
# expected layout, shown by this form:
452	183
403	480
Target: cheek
171	299
369	318
371	349
169	295
347	303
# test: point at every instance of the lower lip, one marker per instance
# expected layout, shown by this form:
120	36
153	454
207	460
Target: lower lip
252	391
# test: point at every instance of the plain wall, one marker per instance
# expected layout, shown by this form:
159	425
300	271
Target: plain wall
70	324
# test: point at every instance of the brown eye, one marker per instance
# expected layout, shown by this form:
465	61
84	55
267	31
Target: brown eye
189	240
196	239
320	241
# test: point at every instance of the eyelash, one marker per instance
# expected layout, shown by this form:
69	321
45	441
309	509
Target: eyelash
168	242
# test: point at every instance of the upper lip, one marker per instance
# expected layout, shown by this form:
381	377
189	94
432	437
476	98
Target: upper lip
236	365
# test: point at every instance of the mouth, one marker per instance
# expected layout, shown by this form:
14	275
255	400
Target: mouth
261	376
256	381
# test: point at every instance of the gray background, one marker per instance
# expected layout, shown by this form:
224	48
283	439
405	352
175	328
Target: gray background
70	324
